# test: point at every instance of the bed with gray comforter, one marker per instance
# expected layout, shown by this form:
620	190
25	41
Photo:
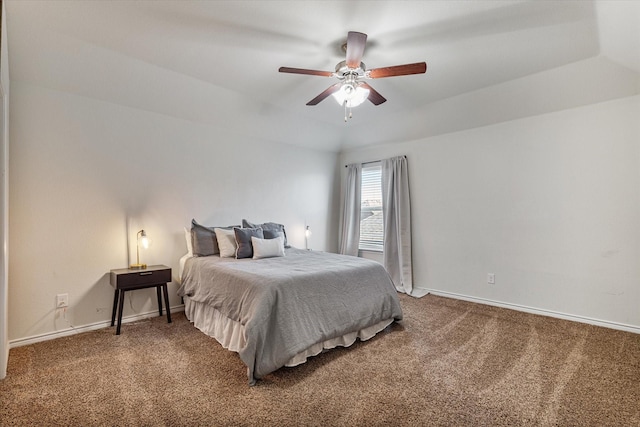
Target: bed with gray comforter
285	305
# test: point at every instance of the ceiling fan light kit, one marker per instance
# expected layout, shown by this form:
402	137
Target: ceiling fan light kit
351	96
351	91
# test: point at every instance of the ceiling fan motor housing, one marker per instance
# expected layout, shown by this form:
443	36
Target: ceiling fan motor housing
342	70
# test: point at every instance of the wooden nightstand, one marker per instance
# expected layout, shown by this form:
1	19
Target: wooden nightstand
128	279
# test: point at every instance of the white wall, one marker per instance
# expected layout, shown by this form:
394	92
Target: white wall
550	204
84	171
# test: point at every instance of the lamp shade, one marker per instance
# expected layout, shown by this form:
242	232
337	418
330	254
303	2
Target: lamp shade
352	95
144	240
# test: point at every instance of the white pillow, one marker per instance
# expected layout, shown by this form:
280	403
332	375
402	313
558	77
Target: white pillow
266	248
226	242
187	237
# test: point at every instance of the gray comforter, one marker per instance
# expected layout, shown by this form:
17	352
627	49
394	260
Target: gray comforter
287	304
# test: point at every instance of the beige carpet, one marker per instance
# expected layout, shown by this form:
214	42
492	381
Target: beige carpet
448	363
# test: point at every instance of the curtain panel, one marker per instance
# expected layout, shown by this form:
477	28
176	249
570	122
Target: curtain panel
350	220
396	208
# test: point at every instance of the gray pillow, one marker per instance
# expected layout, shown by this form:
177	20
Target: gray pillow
272	227
243	240
203	239
270	234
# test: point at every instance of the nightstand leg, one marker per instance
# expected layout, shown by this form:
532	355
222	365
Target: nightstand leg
120	307
115	305
159	300
166	302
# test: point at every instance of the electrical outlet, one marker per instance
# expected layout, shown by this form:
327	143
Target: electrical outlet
491	278
62	300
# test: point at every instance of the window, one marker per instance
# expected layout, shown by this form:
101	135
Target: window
371	223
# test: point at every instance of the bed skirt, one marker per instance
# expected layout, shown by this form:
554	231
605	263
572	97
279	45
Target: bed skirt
230	333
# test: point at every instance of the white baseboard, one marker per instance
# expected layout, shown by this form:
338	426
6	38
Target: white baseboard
85	328
539	311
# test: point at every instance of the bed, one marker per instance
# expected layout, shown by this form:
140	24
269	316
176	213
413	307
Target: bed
279	311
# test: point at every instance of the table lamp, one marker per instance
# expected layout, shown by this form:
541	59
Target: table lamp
141	239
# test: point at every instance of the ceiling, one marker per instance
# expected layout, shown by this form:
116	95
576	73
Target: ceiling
216	62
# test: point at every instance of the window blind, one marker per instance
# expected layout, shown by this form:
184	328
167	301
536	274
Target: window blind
371	220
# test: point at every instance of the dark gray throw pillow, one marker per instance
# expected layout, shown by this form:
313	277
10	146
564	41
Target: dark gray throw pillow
243	240
272	227
270	234
203	239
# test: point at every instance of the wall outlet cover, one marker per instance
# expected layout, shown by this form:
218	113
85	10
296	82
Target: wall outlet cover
62	300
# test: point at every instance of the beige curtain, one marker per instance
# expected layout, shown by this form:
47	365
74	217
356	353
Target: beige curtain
350	220
396	207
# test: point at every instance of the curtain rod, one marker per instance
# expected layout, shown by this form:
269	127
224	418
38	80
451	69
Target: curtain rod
373	161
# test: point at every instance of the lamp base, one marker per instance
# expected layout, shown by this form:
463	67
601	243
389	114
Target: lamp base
138	266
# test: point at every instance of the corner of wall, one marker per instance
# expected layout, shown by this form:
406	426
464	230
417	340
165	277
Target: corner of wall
4	195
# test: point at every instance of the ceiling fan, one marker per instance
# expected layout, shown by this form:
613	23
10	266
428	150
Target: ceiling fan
351	90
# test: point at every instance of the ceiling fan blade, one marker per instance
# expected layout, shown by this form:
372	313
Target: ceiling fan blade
355	48
305	71
331	89
398	70
374	96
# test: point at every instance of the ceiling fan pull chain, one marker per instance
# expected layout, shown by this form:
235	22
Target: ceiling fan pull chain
345	110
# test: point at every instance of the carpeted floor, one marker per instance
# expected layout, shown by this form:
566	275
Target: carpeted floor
448	363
